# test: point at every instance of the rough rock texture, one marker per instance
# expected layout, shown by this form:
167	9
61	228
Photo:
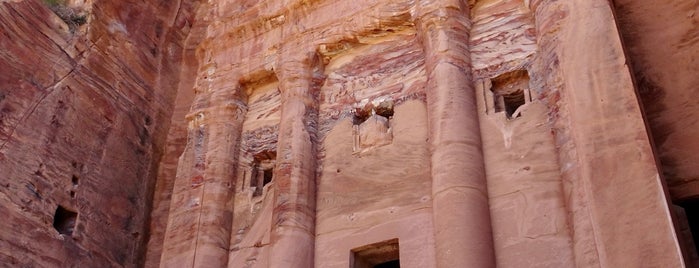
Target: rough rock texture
283	133
597	122
85	111
662	39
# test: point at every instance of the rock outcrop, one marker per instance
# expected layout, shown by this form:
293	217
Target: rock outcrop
85	109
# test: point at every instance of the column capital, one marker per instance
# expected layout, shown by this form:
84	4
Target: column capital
221	100
441	9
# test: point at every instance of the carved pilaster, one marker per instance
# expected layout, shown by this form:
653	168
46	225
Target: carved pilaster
293	221
463	235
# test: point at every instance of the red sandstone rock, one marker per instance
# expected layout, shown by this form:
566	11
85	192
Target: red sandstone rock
447	133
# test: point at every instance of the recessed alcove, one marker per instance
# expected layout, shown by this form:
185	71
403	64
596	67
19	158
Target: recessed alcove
64	220
372	125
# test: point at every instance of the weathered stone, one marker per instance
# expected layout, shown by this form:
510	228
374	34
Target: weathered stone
430	133
85	110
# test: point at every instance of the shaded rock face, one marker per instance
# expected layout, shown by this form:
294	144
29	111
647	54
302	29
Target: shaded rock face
663	47
85	108
489	133
664	54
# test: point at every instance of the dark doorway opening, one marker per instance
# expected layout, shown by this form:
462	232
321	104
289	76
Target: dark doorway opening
687	228
383	254
389	264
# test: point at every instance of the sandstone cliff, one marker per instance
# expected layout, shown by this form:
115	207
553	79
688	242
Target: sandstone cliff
85	108
284	133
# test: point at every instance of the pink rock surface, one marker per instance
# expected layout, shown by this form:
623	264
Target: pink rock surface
290	133
84	113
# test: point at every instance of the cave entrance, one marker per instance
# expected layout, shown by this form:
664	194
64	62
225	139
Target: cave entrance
383	254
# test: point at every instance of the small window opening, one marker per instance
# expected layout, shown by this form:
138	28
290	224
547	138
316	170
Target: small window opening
64	220
383	254
262	172
510	91
74	180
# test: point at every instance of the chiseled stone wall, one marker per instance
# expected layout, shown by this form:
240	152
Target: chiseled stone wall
530	223
489	133
385	122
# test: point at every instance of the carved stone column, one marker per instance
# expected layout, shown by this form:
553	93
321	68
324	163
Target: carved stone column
198	232
463	235
293	221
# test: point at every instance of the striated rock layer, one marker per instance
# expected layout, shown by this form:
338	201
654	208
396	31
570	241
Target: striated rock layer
85	110
442	133
367	133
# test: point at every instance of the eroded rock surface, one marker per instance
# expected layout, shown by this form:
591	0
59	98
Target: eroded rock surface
448	133
84	113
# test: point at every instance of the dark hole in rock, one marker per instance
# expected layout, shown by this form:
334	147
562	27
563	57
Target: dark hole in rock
262	171
262	177
268	173
513	101
389	264
74	180
691	211
383	254
64	220
509	92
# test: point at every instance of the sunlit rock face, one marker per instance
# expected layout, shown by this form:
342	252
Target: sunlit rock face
368	133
